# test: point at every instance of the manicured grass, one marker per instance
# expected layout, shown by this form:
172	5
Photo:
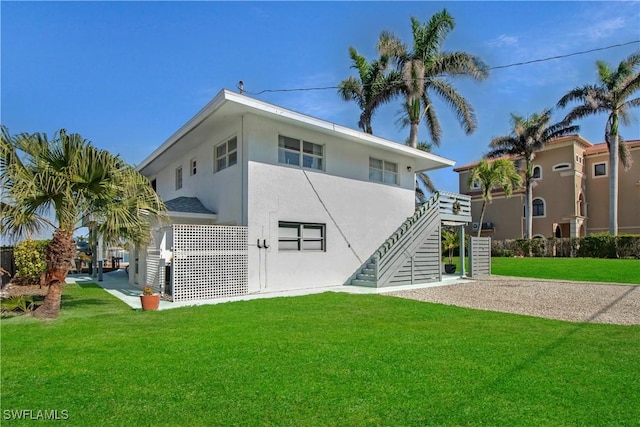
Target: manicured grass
328	359
581	269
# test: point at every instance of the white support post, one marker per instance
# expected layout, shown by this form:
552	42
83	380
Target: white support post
462	272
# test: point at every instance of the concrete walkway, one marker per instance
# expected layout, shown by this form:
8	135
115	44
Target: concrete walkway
117	284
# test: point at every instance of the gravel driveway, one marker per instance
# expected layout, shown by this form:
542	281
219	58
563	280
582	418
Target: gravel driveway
552	299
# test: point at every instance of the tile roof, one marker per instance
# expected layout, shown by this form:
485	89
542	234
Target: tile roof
188	205
595	148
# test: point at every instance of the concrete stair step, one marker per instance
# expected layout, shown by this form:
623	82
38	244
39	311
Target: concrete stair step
366	283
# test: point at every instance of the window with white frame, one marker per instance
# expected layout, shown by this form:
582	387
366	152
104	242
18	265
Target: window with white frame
297	152
383	171
599	169
178	177
299	236
537	207
475	185
226	154
194	169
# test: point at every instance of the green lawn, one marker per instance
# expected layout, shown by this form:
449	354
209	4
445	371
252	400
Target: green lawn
328	359
580	269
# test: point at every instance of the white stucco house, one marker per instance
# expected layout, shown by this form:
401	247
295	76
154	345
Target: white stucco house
262	198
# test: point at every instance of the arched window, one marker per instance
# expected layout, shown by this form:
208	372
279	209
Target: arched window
580	205
538	207
537	172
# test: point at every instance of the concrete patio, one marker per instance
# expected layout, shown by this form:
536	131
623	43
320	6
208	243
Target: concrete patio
117	284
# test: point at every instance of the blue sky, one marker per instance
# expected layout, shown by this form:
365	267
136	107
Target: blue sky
126	75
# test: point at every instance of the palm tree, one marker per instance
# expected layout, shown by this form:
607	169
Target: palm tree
423	70
500	173
611	95
422	179
528	136
70	180
373	87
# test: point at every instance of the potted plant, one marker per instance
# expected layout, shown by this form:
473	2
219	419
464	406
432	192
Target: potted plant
149	299
450	241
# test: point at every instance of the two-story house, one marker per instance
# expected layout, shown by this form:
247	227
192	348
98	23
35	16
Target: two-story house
303	202
570	194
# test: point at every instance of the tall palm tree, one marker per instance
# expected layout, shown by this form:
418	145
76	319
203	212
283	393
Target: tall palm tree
374	86
528	136
422	179
423	70
71	180
500	173
612	95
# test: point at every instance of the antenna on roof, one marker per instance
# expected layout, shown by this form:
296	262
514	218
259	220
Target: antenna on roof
241	87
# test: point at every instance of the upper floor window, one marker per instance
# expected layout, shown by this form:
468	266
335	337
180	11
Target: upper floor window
383	171
600	169
537	207
178	177
300	153
154	185
296	236
226	154
194	168
475	185
537	172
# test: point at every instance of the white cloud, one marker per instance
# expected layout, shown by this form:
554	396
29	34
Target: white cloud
502	41
603	29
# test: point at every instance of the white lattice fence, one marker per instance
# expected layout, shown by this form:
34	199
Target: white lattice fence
209	261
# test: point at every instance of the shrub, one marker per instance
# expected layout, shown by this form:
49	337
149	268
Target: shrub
592	246
29	259
19	303
598	246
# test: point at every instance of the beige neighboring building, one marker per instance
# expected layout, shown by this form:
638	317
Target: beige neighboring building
570	194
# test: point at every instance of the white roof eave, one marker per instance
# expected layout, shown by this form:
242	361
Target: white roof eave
424	161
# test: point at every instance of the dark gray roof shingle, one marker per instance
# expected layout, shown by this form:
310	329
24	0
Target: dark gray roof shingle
187	205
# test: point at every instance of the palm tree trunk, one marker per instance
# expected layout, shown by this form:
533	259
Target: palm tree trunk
484	205
613	182
528	207
413	134
58	256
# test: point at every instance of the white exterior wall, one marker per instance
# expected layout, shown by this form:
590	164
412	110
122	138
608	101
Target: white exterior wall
366	213
219	192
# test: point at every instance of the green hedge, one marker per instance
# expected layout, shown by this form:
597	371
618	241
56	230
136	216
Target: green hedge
592	246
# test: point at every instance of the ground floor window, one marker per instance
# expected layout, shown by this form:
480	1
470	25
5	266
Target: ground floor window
299	236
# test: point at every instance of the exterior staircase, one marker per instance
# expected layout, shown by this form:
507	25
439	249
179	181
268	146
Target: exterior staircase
412	253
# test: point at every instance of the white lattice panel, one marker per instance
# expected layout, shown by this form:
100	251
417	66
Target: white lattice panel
209	261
